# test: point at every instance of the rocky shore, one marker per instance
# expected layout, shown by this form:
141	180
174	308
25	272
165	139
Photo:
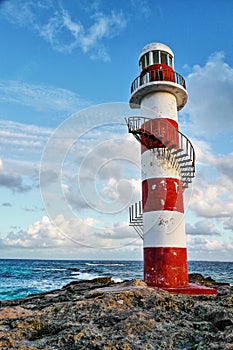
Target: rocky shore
101	314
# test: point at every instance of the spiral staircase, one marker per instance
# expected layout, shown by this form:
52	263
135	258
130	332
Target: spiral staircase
167	143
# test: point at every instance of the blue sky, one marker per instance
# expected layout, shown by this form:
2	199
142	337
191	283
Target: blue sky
65	75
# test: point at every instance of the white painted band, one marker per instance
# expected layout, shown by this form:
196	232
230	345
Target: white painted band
159	104
154	165
164	229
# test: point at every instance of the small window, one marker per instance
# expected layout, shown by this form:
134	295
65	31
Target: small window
142	62
170	60
147	56
155	57
163	58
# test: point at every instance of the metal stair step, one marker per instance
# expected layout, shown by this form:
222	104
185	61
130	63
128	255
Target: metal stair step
172	146
184	160
187	173
181	155
177	151
187	166
188	179
166	142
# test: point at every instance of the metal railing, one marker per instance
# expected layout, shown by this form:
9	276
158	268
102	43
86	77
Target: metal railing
160	135
158	75
135	218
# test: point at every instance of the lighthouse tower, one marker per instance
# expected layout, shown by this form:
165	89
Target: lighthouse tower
168	166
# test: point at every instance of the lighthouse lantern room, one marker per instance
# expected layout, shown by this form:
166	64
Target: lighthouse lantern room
167	166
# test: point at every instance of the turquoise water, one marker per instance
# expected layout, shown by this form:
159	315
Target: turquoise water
19	278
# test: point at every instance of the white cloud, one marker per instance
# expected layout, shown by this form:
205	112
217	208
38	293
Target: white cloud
83	233
103	27
112	199
103	175
21	147
26	136
210	104
212	189
142	8
48	177
54	24
40	97
41	234
209	249
65	233
121	190
224	165
202	227
203	152
211	199
210	89
228	223
13	181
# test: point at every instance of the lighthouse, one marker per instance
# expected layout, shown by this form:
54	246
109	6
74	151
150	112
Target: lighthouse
167	168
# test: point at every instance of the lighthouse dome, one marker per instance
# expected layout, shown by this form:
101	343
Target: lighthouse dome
156	47
156	53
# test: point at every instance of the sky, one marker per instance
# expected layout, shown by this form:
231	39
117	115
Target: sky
68	168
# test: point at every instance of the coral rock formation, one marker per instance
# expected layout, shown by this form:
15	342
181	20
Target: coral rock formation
101	314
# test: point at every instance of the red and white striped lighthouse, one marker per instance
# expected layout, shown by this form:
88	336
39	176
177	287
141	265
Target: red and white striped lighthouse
168	166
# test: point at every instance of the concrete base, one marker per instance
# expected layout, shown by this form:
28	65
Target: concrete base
190	289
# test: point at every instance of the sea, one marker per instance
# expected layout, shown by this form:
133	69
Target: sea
19	278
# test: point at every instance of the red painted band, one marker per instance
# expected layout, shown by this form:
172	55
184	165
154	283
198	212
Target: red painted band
159	133
158	72
162	194
159	125
165	267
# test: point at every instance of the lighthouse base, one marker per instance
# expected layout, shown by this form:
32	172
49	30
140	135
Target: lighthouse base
166	268
190	289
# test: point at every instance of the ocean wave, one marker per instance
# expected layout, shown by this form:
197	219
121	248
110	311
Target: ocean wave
100	264
90	276
84	275
47	269
117	279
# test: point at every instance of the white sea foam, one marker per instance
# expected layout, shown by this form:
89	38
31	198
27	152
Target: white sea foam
117	279
23	277
98	264
84	275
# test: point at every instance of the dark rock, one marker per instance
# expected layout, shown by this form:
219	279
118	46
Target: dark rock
101	314
222	324
206	281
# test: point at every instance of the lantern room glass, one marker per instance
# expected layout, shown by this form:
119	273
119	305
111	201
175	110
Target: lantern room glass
155	57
